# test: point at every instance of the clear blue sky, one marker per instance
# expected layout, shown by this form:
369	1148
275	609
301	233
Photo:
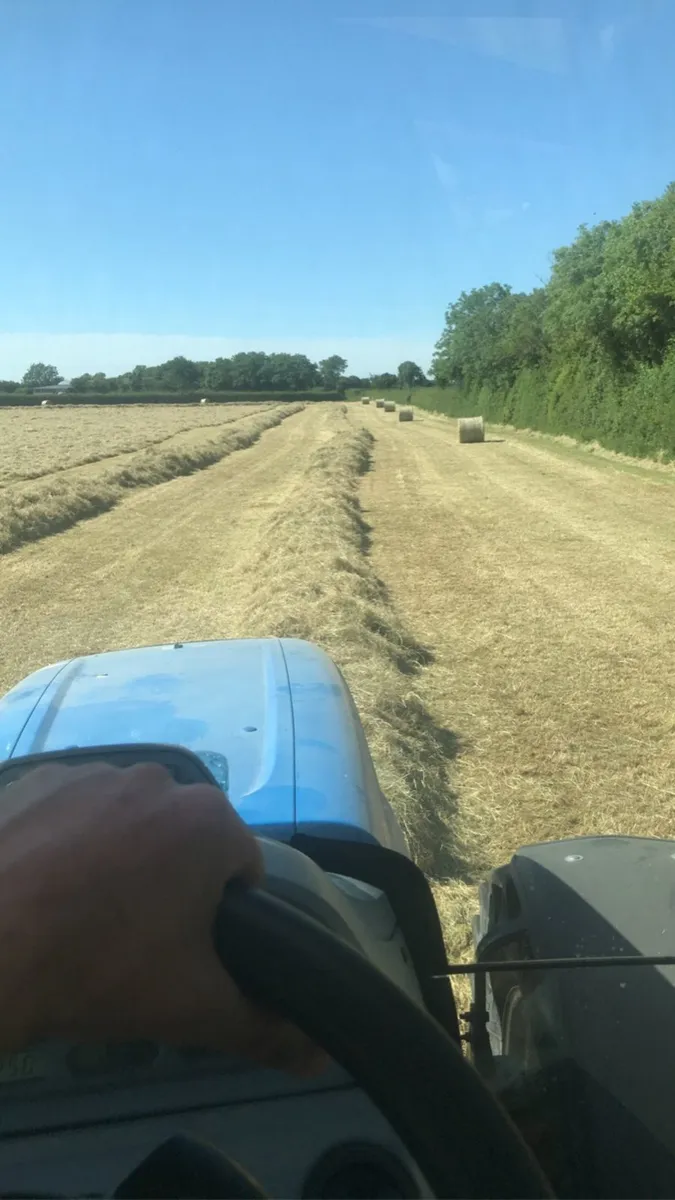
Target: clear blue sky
199	176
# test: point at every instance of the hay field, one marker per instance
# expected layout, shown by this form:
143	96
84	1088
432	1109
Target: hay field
502	612
52	500
35	442
544	582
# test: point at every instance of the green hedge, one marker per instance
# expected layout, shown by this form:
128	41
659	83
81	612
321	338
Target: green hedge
27	400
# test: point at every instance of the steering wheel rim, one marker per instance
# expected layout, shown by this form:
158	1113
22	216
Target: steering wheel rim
461	1139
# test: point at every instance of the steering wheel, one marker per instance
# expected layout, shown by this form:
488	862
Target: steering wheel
461	1139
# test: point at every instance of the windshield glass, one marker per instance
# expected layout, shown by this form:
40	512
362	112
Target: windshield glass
355	326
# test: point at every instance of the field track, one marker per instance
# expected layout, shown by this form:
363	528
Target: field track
504	614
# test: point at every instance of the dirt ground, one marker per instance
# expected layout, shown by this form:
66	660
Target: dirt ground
538	582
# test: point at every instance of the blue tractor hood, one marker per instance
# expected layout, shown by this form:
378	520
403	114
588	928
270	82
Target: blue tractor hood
272	718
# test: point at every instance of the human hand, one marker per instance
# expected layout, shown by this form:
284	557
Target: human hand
109	884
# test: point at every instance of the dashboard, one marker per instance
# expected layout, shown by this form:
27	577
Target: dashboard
76	1120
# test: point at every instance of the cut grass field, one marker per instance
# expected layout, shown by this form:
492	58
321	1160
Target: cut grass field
545	583
502	613
35	442
58	499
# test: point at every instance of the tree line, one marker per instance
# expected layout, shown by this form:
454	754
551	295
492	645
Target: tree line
591	353
254	371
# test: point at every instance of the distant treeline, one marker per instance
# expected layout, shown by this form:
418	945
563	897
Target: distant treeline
591	354
35	400
254	371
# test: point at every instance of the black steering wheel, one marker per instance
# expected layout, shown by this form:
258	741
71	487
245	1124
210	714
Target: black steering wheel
461	1139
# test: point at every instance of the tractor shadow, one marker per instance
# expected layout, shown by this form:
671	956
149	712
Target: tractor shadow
408	655
421	754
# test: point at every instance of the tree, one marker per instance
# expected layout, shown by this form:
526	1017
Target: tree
290	372
305	372
41	375
179	374
101	383
410	375
93	383
81	383
579	316
384	381
468	351
203	370
331	371
640	277
219	375
138	378
257	371
248	371
523	342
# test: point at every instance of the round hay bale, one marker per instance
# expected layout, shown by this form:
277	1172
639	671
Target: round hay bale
471	429
379	403
405	414
365	400
389	406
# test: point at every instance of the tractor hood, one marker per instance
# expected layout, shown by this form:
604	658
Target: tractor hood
271	718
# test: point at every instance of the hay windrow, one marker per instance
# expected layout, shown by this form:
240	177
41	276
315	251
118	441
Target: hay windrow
312	578
31	512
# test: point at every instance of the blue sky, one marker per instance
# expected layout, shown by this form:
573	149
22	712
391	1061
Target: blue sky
204	176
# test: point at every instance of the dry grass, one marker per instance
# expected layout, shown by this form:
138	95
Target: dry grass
163	566
660	463
29	512
545	585
311	577
36	442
